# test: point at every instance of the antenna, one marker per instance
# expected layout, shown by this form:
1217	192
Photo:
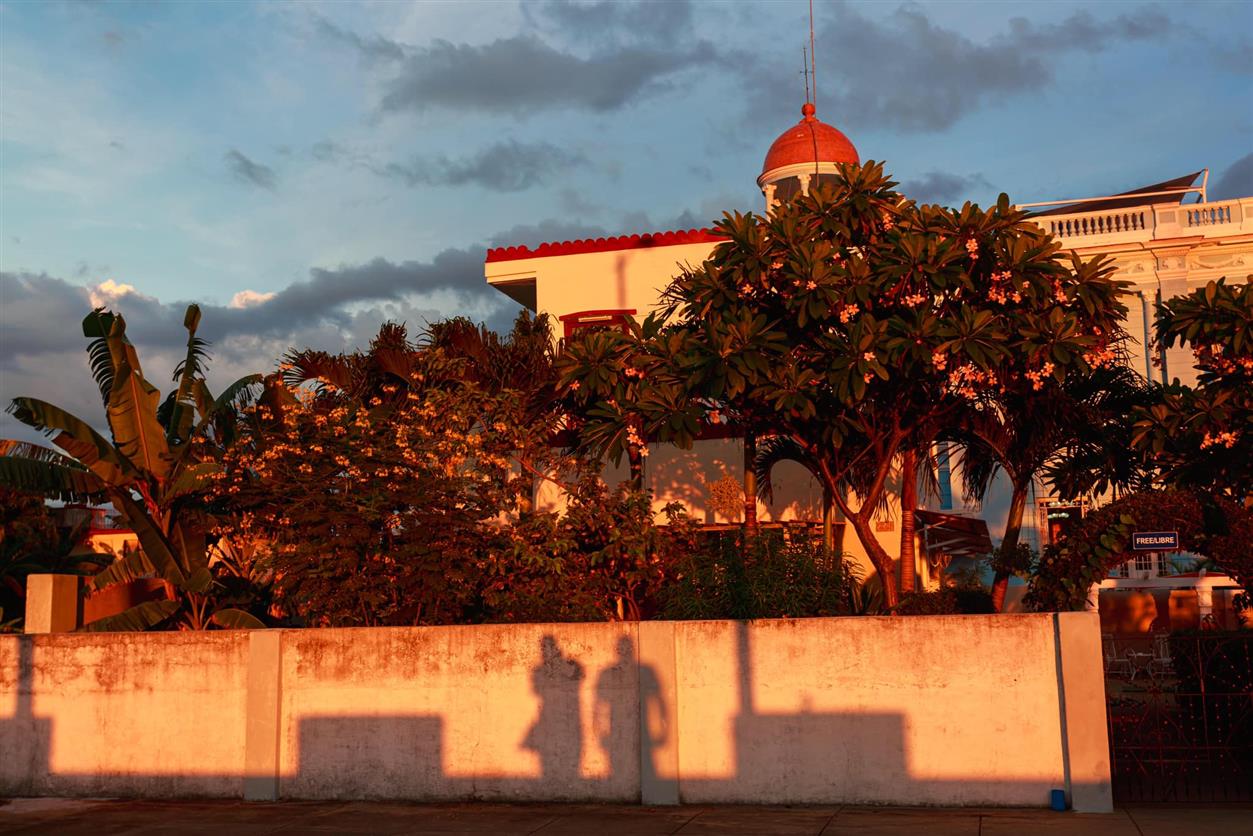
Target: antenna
813	65
805	70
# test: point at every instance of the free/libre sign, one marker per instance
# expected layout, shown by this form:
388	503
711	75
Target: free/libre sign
1154	541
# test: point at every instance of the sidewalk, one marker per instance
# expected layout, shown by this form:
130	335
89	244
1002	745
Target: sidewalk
81	817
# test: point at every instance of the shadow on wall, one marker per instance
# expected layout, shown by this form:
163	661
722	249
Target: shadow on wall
775	757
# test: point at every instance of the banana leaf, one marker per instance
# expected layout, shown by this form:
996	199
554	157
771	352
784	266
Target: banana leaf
129	567
76	437
49	477
156	546
233	619
137	618
133	419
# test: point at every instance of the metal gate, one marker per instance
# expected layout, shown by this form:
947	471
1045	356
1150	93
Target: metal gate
1180	711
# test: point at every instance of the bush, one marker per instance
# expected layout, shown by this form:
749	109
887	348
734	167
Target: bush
763	576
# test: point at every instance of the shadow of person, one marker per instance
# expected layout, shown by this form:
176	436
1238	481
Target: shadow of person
557	736
619	717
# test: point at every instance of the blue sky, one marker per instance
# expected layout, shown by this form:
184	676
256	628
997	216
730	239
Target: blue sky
355	158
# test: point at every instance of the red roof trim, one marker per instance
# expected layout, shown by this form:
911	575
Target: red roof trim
604	245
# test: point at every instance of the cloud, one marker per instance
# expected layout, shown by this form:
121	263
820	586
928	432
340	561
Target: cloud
523	74
249	299
505	167
250	172
908	73
375	48
614	21
1237	180
943	187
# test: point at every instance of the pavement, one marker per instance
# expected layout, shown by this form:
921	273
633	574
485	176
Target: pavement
105	817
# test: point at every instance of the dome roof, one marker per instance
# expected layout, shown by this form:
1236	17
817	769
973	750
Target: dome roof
809	140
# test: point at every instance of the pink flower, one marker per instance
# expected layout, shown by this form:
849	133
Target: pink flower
868	357
848	312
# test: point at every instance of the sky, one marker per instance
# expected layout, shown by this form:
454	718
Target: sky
305	171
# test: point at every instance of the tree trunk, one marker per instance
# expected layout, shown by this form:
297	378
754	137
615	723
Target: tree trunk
879	557
909	502
1013	528
828	524
636	462
750	482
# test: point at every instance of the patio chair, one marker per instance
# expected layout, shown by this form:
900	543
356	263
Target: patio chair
1114	665
1161	662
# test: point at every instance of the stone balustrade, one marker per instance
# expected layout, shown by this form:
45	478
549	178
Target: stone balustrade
1151	222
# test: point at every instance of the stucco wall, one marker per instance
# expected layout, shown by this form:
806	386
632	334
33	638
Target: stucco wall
943	710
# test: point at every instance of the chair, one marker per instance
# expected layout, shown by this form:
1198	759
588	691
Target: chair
1161	662
1114	666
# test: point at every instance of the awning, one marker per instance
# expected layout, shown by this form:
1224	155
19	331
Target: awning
1135	197
953	534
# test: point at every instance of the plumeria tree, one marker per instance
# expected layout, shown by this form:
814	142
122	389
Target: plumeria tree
1202	437
856	320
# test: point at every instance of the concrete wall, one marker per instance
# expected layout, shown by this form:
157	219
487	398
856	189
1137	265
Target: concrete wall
989	710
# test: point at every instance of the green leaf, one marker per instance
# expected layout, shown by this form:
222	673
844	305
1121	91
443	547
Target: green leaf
136	619
156	546
132	566
133	419
34	469
76	437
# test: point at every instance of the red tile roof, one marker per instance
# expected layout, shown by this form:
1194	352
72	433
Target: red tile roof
603	245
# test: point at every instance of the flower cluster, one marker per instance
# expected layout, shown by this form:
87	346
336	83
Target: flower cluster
635	440
847	312
1101	356
1002	290
967	379
1212	356
1223	439
1038	376
972	247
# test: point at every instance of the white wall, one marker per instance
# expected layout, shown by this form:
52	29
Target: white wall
940	710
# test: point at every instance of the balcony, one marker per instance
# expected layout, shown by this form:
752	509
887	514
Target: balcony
1151	222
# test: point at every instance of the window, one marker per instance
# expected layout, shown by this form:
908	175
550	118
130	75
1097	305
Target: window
1144	562
610	320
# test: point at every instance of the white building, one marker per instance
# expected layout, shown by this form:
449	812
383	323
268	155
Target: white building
1163	245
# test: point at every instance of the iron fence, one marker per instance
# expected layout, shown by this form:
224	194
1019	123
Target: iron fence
1180	711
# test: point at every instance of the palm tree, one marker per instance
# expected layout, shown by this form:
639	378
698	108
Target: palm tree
154	469
1068	429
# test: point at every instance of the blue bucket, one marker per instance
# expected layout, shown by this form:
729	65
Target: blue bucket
1057	800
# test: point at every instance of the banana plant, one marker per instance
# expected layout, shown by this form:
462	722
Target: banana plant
154	469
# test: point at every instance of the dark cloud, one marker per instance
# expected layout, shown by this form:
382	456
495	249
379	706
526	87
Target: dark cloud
908	73
614	21
505	167
376	48
546	231
250	172
523	74
1237	180
943	187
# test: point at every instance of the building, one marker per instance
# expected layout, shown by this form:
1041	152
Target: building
1161	244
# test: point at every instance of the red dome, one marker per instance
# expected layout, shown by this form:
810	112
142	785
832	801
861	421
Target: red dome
810	140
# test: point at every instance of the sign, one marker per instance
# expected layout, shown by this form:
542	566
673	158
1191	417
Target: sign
1155	541
884	525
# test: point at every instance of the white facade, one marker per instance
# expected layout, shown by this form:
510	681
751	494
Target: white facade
1166	249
